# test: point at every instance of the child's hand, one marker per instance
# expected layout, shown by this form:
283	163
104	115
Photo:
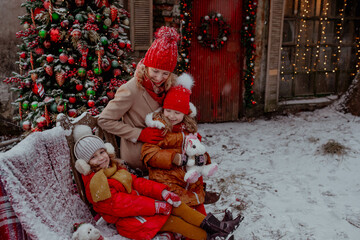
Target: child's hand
151	135
171	198
180	159
162	207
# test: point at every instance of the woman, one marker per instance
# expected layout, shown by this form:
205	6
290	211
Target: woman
124	116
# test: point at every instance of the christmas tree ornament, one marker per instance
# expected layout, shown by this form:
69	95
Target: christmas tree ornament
114	34
105	64
63	57
110	94
79	3
39	51
81	72
61	108
71	60
128	46
47	44
122	44
117	72
76	34
50	58
72	113
105	27
100	50
72	99
23	55
49	70
100	3
53	107
26	125
104	40
98	17
90	92
104	100
27	83
60	77
26	25
42	33
97	71
113	13
79	87
54	35
65	23
47	116
91	103
107	22
41	122
115	64
34	105
25	105
126	21
55	16
34	76
38	89
79	17
47	5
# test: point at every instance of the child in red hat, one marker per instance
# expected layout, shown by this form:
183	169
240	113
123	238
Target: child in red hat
166	160
139	208
124	115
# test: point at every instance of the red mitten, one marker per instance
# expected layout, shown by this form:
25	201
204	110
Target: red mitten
162	207
171	198
151	135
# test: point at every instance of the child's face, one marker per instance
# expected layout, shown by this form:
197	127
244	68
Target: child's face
158	76
100	159
175	117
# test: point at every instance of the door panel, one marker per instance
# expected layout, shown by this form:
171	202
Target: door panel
218	86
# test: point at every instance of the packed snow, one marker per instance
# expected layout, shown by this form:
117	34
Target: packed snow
291	177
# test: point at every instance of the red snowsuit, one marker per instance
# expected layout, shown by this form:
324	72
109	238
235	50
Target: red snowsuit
132	213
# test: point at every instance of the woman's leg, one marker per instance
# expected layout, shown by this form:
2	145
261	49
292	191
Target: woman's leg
178	225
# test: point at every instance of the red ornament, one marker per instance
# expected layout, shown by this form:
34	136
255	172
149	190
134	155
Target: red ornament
38	89
76	34
128	46
79	3
60	78
64	24
54	35
38	10
110	95
91	103
117	72
79	87
72	113
41	122
72	100
46	5
122	44
60	108
113	13
49	58
63	58
26	125
39	51
71	60
23	55
47	44
49	70
100	3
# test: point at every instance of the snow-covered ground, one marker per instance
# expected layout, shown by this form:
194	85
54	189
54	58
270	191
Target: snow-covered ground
278	174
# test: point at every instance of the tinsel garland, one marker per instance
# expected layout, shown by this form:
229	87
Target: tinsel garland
248	41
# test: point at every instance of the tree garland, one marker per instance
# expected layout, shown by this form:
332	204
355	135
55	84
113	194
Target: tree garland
204	36
248	40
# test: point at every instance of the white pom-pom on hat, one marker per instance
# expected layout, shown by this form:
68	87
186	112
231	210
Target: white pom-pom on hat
80	131
82	167
185	80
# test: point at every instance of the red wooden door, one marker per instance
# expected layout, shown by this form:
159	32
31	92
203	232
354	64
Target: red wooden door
218	87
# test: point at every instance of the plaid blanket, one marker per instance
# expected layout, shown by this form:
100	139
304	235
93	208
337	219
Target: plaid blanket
37	178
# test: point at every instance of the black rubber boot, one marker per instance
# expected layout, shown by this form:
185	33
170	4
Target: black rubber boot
212	225
227	215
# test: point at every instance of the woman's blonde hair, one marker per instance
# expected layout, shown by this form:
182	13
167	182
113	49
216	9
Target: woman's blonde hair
189	122
142	71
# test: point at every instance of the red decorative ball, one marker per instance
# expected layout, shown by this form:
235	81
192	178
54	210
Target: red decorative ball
110	95
117	72
72	99
23	55
91	103
71	60
60	108
54	35
47	44
63	58
26	125
39	51
49	58
122	44
46	5
128	46
41	122
79	87
72	113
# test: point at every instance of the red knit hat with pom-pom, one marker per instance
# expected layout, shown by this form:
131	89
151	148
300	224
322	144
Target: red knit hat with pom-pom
162	53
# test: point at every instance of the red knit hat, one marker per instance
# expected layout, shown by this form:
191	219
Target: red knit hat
162	53
178	97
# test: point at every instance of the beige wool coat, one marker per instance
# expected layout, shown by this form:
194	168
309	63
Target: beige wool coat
124	116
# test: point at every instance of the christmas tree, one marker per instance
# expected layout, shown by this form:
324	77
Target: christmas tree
74	55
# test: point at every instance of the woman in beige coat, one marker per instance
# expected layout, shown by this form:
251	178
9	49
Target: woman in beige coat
124	116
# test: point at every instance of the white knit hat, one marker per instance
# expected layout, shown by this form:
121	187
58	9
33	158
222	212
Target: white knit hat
85	146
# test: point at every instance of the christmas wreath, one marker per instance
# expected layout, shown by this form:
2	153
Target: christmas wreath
205	37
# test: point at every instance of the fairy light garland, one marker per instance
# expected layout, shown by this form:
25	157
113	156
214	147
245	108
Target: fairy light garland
186	35
248	41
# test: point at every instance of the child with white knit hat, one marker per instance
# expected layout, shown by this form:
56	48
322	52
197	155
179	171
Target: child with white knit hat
140	208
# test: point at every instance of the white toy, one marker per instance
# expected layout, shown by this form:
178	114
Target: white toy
87	231
196	165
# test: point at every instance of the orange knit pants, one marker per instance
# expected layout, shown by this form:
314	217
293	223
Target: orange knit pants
186	221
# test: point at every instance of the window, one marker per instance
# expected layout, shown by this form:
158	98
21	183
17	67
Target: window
320	47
